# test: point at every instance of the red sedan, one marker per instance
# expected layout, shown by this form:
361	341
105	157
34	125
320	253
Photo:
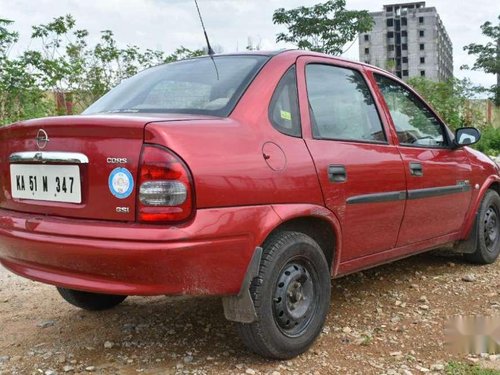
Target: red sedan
257	177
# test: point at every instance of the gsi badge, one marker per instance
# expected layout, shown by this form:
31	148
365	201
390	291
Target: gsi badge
116	160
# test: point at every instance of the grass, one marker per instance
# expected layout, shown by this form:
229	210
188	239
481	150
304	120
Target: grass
457	368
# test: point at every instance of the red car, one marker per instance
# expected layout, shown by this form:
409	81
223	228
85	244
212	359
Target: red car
256	177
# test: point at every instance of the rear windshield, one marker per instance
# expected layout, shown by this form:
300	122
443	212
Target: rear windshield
198	86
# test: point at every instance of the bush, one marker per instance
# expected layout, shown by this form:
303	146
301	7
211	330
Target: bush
490	141
68	66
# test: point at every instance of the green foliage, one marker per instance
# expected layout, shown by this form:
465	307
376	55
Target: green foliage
20	96
390	65
488	55
65	64
451	100
490	141
457	368
324	27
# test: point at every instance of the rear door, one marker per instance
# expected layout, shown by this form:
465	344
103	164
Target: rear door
360	171
438	176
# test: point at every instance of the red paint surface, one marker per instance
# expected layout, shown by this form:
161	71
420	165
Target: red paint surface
243	190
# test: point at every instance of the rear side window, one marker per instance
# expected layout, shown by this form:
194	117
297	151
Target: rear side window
341	105
414	122
284	109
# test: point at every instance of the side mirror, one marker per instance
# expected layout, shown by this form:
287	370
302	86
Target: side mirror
466	137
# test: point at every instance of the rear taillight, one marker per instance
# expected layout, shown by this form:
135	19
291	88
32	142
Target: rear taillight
165	192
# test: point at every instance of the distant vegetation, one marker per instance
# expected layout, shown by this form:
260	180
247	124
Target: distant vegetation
488	55
79	73
324	27
66	65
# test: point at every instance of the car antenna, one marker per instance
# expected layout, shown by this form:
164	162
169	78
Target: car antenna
210	51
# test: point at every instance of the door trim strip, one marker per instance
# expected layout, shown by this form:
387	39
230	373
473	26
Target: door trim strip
437	191
410	194
377	197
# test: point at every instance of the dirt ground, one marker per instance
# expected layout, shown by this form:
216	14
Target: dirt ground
389	320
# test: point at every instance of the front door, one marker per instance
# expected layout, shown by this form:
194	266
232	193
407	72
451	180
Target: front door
360	171
439	192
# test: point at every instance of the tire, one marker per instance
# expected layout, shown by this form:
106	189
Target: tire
291	296
90	301
488	233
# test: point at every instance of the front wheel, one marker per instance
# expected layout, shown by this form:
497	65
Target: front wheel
90	301
291	296
488	233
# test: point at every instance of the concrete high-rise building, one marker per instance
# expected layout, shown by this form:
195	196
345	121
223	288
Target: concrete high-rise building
408	39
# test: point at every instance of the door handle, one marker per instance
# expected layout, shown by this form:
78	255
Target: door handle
416	169
337	173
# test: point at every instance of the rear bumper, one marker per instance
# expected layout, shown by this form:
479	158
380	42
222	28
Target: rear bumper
208	256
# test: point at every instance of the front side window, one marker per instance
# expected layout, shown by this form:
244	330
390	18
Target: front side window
341	105
197	86
284	108
415	124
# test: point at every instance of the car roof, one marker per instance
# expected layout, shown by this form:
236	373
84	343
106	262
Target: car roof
294	53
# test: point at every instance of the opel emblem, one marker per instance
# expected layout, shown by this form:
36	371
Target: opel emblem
42	138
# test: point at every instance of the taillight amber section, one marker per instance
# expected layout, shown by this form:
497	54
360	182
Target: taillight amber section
161	173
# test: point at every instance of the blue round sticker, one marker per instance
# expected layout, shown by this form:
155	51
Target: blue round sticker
121	183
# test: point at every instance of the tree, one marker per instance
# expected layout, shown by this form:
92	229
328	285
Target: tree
451	100
324	27
20	95
488	55
67	66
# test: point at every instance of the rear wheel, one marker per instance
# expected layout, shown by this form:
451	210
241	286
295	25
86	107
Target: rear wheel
291	297
90	301
488	234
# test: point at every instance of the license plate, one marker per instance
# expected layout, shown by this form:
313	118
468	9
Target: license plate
56	183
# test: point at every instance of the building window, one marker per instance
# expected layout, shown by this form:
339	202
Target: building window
422	73
422	60
367	51
390	35
405	73
390	22
390	47
367	61
422	46
420	19
421	33
405	60
404	46
398	74
367	37
404	33
389	9
403	21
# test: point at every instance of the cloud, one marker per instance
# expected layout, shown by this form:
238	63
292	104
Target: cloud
167	24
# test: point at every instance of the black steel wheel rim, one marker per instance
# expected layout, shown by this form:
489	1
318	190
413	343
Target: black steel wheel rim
295	297
491	229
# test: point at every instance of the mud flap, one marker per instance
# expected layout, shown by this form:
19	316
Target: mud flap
240	308
469	245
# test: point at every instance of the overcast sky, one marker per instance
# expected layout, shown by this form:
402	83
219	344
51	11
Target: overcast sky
167	24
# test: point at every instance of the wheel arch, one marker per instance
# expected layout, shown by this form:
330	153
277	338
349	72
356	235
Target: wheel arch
493	183
317	222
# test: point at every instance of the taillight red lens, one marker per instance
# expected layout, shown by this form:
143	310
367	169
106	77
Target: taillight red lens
165	192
